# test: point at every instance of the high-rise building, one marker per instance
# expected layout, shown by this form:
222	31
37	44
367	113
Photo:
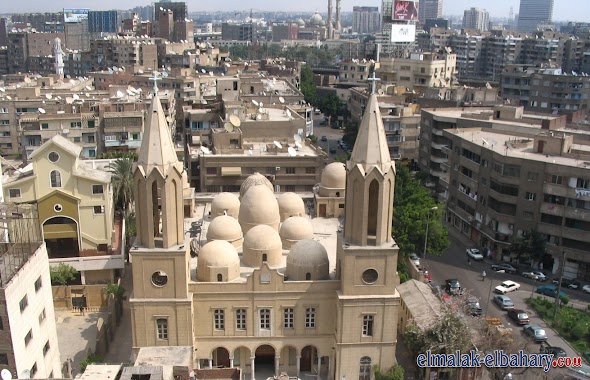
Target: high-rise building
366	19
476	18
533	13
429	9
103	21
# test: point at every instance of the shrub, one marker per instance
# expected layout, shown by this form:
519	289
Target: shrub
62	274
91	359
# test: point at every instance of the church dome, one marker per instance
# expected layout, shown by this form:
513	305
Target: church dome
225	203
290	204
294	229
308	261
259	206
226	228
262	243
333	180
218	262
300	22
315	19
253	180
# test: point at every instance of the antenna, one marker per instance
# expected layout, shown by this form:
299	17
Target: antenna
6	375
292	152
281	100
205	150
235	121
41	110
228	127
278	144
255	103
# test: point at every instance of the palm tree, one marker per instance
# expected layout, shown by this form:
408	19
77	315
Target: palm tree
122	181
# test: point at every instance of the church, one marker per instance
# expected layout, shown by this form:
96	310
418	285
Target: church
272	290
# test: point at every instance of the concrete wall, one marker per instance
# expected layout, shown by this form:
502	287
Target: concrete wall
96	297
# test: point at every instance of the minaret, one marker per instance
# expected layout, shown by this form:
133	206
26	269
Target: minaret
59	60
329	21
338	24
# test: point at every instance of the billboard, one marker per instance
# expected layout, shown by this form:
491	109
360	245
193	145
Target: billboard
405	10
75	14
403	33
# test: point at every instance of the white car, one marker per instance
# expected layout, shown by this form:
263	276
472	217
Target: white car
415	260
535	275
506	287
586	288
474	254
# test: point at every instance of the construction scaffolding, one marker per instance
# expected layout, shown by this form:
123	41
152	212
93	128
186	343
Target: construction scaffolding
20	237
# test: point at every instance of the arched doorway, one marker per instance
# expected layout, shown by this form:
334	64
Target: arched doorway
221	357
264	361
288	361
242	359
365	368
309	356
61	237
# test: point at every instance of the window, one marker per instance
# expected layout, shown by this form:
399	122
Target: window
44	126
365	370
90	123
1	324
530	196
97	189
77	139
368	325
38	284
91	152
46	348
265	319
33	370
14	193
76	124
234	142
23	304
288	318
98	210
532	176
55	178
4	359
310	170
219	277
212	171
556	179
241	319
219	319
162	326
42	316
53	157
28	337
290	170
310	317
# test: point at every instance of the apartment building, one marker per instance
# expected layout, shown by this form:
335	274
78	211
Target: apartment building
124	51
476	18
28	334
420	71
354	71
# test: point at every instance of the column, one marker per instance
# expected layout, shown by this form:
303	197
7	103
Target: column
231	362
319	363
252	375
198	363
330	368
210	363
83	277
277	358
298	365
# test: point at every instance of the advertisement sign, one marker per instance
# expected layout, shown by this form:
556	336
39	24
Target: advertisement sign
75	15
405	10
403	33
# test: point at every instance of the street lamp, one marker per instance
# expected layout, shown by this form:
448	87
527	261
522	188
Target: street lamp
426	235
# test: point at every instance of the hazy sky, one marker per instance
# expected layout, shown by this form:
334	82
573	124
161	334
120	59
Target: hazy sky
564	10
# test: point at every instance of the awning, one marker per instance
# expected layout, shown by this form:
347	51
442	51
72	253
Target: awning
231	171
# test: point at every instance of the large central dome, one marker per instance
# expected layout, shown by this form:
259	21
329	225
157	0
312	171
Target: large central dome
259	206
254	180
316	19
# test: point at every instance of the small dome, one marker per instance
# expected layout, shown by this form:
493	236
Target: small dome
294	229
218	262
225	204
226	228
323	23
259	206
334	176
262	243
290	204
253	180
300	22
315	19
308	261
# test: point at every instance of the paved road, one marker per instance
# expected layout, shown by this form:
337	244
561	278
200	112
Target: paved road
332	135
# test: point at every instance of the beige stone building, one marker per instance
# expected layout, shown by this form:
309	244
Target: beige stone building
271	290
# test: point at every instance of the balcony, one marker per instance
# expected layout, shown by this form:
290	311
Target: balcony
437	132
437	145
503	197
439	160
437	173
552	209
132	144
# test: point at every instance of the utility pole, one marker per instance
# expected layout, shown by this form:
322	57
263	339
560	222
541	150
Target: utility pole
557	298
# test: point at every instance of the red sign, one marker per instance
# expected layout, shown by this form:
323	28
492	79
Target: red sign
405	10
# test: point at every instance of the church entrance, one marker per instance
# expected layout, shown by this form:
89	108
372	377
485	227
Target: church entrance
264	362
308	355
221	358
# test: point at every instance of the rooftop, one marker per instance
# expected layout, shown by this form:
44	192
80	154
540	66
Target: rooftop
423	305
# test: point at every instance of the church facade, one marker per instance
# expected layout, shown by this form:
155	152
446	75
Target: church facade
272	290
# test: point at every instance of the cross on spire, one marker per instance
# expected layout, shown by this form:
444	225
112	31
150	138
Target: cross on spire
373	80
155	78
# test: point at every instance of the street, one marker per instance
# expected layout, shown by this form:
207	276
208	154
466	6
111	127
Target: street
332	135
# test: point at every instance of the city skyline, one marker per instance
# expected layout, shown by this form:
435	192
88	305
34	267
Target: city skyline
565	10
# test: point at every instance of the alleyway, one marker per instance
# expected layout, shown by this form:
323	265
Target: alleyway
120	348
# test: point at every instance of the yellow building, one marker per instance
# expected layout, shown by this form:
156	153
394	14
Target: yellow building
75	208
271	290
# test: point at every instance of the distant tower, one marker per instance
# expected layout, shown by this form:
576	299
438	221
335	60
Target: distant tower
511	14
330	24
338	24
59	59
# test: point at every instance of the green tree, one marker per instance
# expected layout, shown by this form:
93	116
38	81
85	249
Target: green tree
122	181
530	246
331	105
91	359
130	227
307	86
116	290
446	335
62	274
394	373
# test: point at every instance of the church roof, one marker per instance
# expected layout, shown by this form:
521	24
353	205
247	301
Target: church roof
157	149
370	149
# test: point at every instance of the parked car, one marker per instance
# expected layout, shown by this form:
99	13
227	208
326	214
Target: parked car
324	122
506	287
453	287
535	275
535	332
317	111
324	138
474	254
504	267
566	282
504	302
473	307
519	316
550	290
333	150
586	288
415	259
557	352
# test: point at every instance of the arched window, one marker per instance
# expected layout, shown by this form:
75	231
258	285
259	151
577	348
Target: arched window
219	277
264	257
55	178
365	369
307	276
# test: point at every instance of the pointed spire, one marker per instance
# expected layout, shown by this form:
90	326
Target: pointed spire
157	149
370	149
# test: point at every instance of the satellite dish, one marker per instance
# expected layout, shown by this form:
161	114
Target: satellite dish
210	73
164	74
8	97
48	96
278	144
255	103
251	153
26	374
205	150
41	110
5	374
69	100
261	104
292	152
297	138
129	92
203	101
119	94
88	88
27	80
76	97
289	114
204	71
258	116
228	127
235	121
281	100
298	145
2	89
